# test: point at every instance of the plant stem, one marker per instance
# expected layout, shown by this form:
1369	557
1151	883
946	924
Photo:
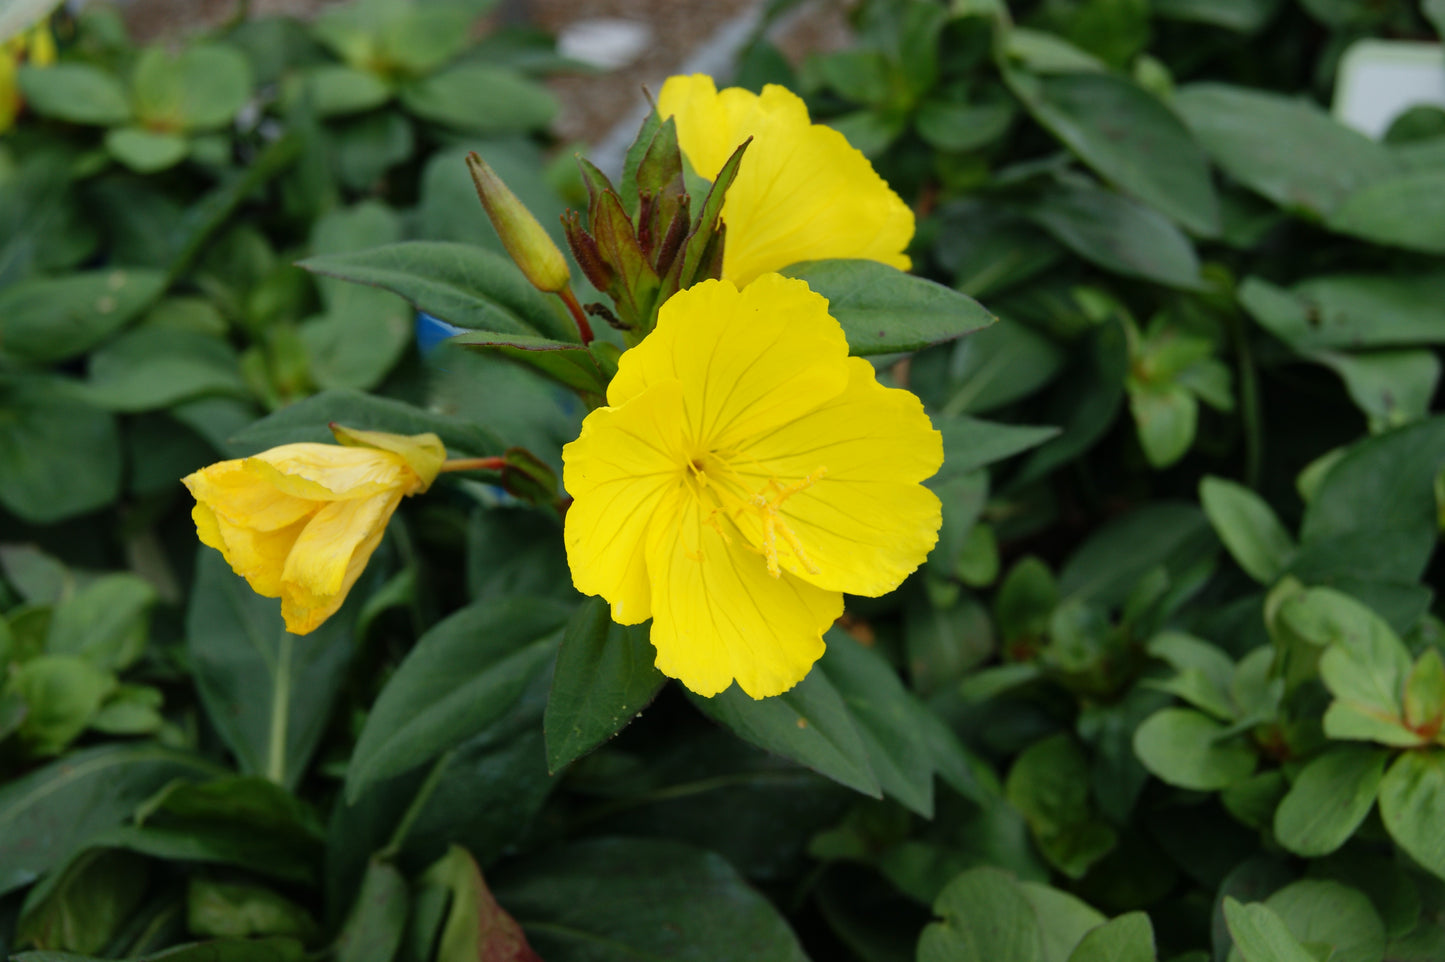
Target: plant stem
418	802
578	315
475	464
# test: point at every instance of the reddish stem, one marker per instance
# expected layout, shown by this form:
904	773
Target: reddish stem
583	328
475	464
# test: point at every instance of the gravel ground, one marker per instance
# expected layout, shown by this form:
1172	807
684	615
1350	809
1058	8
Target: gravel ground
592	104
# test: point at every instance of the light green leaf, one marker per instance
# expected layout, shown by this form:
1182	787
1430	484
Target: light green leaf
1191	750
333	90
146	151
1412	806
77	93
52	319
1349	310
1260	935
1406	210
1165	417
1329	799
481	99
198	88
151	367
1248	527
984	918
104	621
1129	938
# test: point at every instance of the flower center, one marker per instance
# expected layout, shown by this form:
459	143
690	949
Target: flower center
715	481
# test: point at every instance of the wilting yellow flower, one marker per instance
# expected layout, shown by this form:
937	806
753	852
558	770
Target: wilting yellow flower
802	192
745	474
299	522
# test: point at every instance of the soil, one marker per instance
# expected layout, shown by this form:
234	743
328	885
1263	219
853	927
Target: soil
592	103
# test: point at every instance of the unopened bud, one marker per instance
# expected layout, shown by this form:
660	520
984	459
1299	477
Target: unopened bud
526	240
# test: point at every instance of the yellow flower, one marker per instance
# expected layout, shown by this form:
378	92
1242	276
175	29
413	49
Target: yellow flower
802	192
299	522
745	474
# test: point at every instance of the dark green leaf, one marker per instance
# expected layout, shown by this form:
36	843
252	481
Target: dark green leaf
49	813
153	367
1118	234
604	677
1326	915
1106	567
1049	784
1406	210
809	724
462	675
971	443
95	895
52	319
1288	150
463	285
1083	402
1130	138
1350	310
620	900
334	89
268	692
307	421
374	929
567	363
240	911
884	310
61	456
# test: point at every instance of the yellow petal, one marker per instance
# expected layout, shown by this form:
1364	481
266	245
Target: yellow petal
718	616
245	493
330	472
861	518
802	192
423	453
748	360
627	462
257	556
329	555
9	91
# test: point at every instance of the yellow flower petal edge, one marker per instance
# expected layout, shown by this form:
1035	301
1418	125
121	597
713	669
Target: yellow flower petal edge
744	475
299	522
802	192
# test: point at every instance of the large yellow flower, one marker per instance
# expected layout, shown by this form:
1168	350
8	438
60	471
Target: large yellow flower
802	192
299	522
745	474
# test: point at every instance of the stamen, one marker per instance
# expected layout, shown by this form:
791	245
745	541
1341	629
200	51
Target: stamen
765	503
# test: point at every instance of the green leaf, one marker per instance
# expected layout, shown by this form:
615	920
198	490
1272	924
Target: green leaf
1129	938
1333	920
62	457
62	693
221	950
1117	234
1383	487
810	724
481	99
1285	149
1391	387
1412	806
146	151
1260	935
238	911
267	692
1329	799
77	93
952	126
95	896
462	675
49	813
1049	784
1406	210
463	285
1106	568
971	443
620	900
985	918
476	926
198	88
370	145
1242	16
885	715
1425	691
104	621
1349	310
1191	750
994	367
1083	402
1064	919
52	319
152	367
883	310
604	676
1129	138
1165	417
1248	527
567	363
374	928
333	90
307	420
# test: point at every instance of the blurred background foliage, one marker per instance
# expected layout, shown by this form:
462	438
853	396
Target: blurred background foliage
1170	686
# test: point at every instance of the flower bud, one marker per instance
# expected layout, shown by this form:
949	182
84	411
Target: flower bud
526	240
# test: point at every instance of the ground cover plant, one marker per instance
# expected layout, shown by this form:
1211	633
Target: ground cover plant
1167	683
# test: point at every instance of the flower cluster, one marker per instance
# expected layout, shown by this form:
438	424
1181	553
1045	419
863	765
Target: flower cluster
745	471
